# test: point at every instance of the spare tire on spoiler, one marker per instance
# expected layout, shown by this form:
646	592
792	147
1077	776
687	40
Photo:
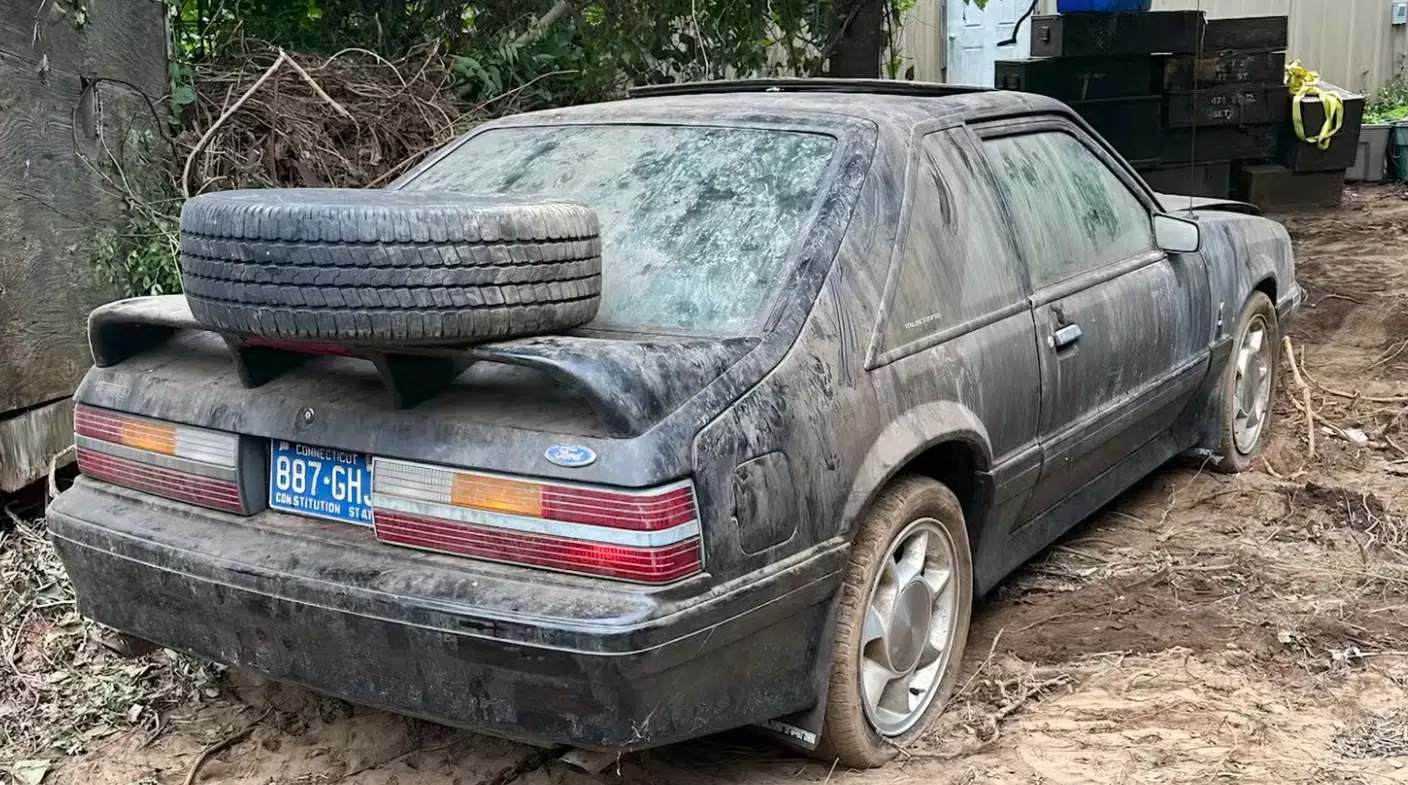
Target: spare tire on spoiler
384	268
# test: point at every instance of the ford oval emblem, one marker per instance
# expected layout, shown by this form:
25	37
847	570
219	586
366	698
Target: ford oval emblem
572	456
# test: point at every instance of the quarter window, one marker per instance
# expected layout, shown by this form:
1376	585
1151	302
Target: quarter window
958	262
1072	214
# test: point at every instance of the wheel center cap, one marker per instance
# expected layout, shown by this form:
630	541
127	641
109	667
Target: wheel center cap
910	627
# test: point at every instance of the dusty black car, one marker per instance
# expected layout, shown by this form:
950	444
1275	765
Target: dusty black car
617	425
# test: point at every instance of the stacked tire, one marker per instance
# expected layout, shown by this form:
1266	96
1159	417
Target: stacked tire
388	268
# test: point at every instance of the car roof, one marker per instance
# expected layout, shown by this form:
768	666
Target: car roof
810	101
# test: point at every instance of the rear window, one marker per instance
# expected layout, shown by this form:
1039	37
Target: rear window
696	222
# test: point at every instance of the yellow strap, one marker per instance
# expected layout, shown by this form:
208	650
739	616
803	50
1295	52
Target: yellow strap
1302	82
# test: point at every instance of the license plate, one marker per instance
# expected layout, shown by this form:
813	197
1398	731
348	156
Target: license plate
320	482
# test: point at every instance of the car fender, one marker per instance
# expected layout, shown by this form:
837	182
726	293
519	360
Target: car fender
907	437
897	445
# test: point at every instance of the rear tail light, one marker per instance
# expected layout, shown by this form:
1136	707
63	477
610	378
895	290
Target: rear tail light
193	465
647	536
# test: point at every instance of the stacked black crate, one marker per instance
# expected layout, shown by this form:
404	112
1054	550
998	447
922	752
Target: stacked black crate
1224	106
1177	96
1304	174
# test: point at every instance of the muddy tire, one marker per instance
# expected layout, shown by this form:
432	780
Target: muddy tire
1249	386
386	268
893	669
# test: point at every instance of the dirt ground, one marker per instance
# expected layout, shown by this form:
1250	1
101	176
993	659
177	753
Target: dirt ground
1202	629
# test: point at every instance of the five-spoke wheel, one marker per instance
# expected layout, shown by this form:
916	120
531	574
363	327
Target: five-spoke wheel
901	623
1250	385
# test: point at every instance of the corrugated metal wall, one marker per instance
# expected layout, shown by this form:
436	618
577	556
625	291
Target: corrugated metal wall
922	41
1350	42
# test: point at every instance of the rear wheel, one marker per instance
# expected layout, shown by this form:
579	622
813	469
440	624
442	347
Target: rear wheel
1249	386
901	625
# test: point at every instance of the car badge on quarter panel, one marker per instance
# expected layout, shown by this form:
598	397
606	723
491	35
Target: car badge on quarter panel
572	456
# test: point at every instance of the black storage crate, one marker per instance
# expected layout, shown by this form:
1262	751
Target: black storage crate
1190	72
1209	179
1301	156
1081	78
1133	126
1272	186
1236	105
1148	32
1248	32
1220	143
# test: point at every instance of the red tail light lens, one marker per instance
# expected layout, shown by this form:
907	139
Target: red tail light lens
649	536
179	462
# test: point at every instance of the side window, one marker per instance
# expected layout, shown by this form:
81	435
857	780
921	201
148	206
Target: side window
958	263
1072	214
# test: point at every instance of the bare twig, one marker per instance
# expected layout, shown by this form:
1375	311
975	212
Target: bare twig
54	471
558	10
1355	396
337	107
983	665
1305	391
221	746
210	132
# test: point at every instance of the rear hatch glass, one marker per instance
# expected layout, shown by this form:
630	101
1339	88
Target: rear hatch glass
696	221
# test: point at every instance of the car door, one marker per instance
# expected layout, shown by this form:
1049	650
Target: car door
956	332
1120	324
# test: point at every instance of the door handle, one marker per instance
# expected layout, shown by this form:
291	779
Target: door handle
1066	336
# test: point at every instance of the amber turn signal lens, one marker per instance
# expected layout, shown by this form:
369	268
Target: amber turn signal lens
148	436
497	495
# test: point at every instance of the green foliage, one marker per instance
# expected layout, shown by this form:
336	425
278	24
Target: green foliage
588	53
139	256
1390	103
504	54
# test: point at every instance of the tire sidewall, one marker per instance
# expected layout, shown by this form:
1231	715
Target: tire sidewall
847	734
1233	460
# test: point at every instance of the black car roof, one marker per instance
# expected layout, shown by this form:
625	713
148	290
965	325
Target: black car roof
884	102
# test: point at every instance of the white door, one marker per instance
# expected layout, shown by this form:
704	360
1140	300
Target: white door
973	36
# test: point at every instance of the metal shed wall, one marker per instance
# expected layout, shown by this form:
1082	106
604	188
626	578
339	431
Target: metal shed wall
1350	42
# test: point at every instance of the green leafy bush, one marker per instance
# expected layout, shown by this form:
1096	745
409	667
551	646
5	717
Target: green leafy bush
1390	103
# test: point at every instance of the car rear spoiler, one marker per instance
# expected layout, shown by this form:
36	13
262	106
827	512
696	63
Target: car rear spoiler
631	384
1172	203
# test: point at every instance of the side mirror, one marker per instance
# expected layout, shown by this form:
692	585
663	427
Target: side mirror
1177	235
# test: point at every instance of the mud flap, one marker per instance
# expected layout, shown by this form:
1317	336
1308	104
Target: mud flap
802	730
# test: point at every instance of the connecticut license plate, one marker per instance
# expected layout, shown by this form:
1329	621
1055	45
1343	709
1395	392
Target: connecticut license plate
317	481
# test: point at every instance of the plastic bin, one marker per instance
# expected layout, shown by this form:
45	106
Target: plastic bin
1106	6
1371	165
1400	152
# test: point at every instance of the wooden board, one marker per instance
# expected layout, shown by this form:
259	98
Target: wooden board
1212	180
30	440
1191	72
1219	143
1081	78
1144	33
1301	156
51	203
1133	126
1237	105
1272	186
1247	32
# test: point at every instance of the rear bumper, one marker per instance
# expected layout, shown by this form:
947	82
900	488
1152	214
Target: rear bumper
517	653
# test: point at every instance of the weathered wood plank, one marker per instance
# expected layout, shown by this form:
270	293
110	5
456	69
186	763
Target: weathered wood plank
51	203
29	441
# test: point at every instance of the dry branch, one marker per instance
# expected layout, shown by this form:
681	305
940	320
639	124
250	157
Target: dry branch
258	126
1305	391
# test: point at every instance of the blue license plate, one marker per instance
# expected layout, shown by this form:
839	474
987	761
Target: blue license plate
320	482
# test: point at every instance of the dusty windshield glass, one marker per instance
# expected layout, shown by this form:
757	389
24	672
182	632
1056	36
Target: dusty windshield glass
696	222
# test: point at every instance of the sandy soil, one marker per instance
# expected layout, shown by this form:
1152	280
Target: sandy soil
1201	629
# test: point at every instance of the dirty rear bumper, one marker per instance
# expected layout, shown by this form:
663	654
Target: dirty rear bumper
544	659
